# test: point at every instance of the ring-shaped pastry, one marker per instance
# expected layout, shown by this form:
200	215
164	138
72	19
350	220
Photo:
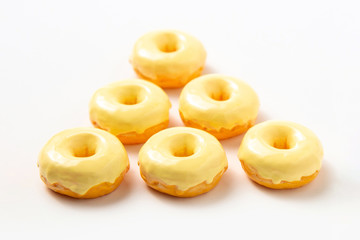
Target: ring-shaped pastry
168	58
281	154
83	163
182	162
221	105
133	110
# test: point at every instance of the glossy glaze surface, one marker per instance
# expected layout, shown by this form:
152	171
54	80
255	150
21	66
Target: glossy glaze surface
168	56
216	101
281	150
181	156
81	158
132	105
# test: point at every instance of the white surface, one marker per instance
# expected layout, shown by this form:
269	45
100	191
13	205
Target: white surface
302	59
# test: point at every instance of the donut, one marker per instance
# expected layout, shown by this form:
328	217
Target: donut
168	58
132	110
182	162
280	154
221	105
83	163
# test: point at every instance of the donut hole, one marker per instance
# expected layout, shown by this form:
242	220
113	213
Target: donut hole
281	143
183	145
218	89
130	95
280	137
168	42
82	145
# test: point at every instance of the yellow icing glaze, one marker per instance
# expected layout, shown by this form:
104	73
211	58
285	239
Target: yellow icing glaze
216	101
81	158
168	56
132	105
281	151
182	156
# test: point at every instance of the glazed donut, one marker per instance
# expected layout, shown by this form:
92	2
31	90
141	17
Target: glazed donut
132	110
281	154
167	58
182	162
83	163
221	105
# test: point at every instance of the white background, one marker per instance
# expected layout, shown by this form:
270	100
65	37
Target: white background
301	57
